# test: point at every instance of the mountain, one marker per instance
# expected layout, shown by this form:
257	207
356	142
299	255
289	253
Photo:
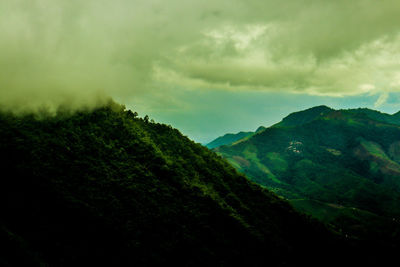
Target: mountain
306	116
230	138
105	187
337	165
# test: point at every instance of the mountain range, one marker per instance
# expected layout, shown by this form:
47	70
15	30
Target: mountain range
230	138
105	187
340	166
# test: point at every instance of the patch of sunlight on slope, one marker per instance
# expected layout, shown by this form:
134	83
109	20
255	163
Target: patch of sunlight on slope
242	139
234	163
374	149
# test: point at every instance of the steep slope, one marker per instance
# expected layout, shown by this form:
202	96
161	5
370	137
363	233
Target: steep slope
104	187
348	158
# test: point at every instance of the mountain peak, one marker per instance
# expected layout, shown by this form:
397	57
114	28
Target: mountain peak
261	128
305	116
320	108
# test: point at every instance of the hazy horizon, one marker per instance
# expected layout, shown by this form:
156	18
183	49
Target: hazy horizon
247	111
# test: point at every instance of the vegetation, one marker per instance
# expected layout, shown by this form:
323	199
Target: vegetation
105	187
345	158
228	139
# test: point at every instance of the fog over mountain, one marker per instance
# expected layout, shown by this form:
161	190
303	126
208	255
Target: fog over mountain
149	53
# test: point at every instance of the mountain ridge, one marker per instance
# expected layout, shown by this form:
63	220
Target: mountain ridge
345	157
305	116
228	138
107	187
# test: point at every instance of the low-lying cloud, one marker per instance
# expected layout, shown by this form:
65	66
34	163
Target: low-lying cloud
54	52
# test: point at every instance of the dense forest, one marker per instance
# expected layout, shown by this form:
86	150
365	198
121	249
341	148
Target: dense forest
105	187
340	166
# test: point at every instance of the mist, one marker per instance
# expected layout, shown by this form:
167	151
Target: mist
146	53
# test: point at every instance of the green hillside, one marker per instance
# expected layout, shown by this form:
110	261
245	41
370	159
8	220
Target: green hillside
228	139
346	157
303	117
107	188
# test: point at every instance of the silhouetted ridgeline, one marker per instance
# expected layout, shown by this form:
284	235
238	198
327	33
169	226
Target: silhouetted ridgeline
105	187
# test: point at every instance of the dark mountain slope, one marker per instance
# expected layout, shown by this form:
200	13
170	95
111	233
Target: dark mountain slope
345	158
104	187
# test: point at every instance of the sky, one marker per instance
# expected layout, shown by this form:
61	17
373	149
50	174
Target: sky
205	67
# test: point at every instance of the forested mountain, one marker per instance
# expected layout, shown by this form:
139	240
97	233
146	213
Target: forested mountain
341	166
230	138
104	187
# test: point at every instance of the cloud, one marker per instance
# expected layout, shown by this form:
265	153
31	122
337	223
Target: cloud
54	52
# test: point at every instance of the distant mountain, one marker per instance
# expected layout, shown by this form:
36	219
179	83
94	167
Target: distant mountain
104	187
261	128
230	138
309	115
345	160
